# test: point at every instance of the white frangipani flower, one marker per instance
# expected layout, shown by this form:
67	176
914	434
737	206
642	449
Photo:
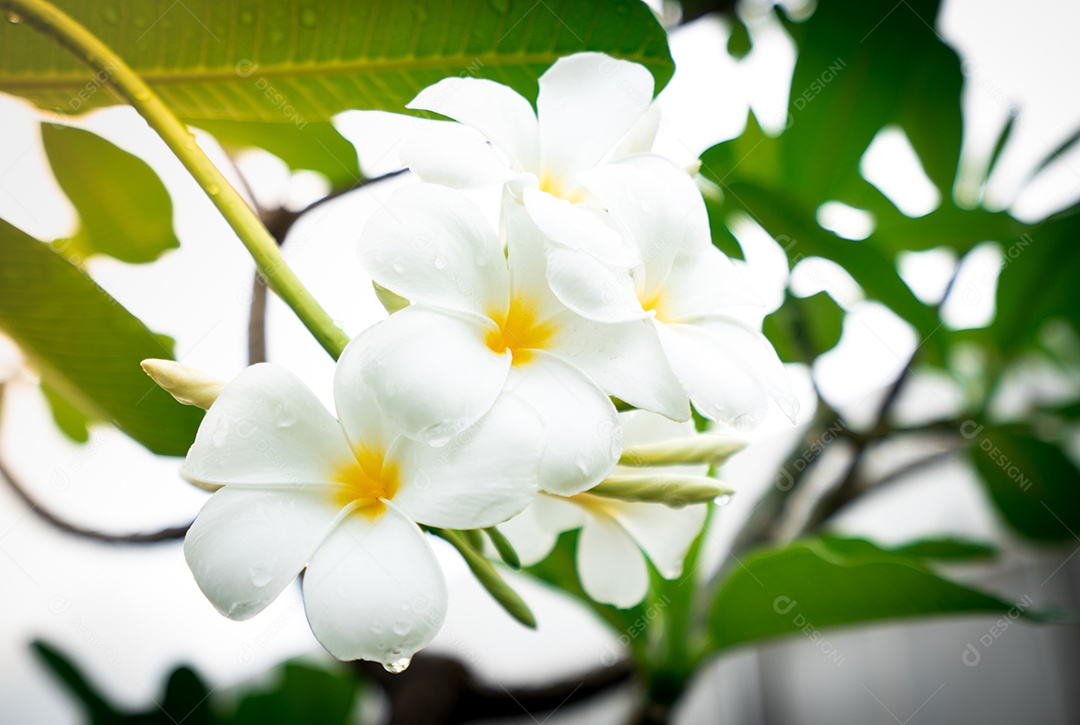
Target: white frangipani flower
591	109
481	324
587	104
615	535
301	490
686	292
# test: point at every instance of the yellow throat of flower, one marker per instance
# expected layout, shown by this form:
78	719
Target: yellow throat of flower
556	185
367	482
521	331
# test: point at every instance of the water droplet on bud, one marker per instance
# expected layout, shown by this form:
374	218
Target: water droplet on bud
723	499
13	17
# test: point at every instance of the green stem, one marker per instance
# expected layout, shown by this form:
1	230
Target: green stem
127	84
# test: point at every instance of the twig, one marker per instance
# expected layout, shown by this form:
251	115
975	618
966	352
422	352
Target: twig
154	537
279	222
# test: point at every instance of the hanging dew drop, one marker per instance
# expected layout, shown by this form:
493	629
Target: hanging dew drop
723	499
13	17
397	666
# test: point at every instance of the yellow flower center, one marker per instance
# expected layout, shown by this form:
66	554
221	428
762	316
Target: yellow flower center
367	482
653	301
520	332
557	186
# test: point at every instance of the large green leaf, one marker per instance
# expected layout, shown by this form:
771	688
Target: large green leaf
1034	485
816	584
304	694
124	209
804	327
86	346
1036	281
315	146
290	63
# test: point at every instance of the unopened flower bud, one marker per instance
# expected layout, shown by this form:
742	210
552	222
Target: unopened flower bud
188	385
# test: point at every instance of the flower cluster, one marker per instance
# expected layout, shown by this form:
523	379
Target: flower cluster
488	399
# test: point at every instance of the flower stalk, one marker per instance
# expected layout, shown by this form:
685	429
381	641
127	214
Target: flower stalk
128	85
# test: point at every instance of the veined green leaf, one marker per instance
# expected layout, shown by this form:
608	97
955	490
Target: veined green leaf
816	584
288	63
315	146
125	210
86	346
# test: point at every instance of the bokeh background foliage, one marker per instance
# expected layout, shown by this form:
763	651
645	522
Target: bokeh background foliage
329	56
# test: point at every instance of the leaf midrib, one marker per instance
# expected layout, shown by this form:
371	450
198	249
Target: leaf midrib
160	78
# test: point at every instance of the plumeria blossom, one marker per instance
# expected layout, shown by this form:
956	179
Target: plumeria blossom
341	500
482	323
686	295
615	535
591	109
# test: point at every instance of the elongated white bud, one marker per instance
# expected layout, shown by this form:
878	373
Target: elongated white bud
669	489
711	448
188	385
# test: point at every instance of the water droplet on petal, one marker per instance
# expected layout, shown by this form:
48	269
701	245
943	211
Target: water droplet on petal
260	575
440	262
723	499
402	627
398	267
397	666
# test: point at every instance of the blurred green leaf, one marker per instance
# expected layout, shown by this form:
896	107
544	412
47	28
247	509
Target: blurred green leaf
1029	289
86	346
946	550
1034	485
291	63
315	146
124	209
98	710
738	44
69	419
187	700
816	584
302	694
815	321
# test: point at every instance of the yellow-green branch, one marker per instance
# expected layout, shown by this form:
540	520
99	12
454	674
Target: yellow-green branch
127	84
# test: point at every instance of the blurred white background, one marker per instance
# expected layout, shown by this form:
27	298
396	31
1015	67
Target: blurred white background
129	615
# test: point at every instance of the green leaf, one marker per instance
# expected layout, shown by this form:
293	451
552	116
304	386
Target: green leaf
315	146
69	419
1034	485
86	346
124	208
303	694
815	321
290	63
813	585
937	549
1026	294
98	710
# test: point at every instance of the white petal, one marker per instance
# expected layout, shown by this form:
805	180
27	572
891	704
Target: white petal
358	410
719	386
589	265
639	139
495	110
534	532
580	423
247	544
431	245
431	371
703	282
657	205
626	360
587	102
480	478
374	590
266	427
454	155
611	567
665	534
526	248
756	355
